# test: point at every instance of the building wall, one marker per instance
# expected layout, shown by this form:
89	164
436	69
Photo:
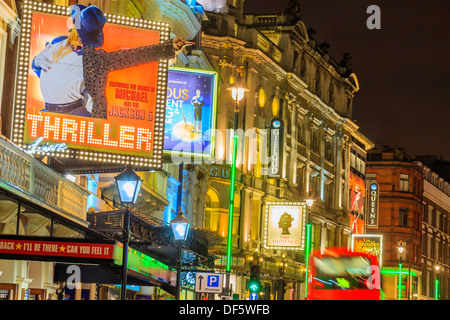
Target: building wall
400	210
311	97
435	234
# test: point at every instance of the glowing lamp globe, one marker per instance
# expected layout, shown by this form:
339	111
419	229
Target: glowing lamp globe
237	90
128	184
180	227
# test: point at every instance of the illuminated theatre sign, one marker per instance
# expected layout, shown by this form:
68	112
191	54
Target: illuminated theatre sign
374	195
56	110
190	112
284	226
369	243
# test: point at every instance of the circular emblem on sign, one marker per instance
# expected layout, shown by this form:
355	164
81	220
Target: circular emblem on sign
373	187
276	124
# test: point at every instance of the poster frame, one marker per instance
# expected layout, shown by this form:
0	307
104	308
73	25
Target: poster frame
153	160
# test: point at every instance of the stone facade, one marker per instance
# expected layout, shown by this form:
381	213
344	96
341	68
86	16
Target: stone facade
291	78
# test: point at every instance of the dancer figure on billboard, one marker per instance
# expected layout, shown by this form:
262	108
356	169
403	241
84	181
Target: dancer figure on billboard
73	71
198	103
357	208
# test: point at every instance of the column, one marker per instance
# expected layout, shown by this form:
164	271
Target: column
323	139
338	167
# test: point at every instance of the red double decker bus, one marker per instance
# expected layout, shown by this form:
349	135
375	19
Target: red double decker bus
340	274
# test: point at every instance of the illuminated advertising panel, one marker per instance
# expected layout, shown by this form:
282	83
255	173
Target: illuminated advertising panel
276	149
356	202
369	243
22	247
104	101
284	226
190	111
374	194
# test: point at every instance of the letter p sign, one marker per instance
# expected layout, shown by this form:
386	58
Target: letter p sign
213	281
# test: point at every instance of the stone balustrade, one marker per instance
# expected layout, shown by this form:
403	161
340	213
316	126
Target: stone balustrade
27	175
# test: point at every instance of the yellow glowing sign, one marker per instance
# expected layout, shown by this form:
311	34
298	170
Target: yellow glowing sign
275	106
262	97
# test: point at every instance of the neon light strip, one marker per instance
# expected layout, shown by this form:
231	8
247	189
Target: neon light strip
400	282
231	209
389	271
436	289
307	250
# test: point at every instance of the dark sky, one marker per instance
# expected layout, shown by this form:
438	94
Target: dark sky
403	69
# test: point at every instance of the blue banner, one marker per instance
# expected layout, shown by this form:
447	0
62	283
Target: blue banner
190	111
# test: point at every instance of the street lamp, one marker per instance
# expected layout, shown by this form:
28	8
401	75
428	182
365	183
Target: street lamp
283	266
128	185
237	90
180	228
401	249
436	283
309	203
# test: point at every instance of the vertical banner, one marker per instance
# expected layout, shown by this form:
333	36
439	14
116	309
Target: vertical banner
374	195
356	203
284	225
276	149
88	89
190	112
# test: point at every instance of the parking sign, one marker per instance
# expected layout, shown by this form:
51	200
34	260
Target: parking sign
208	282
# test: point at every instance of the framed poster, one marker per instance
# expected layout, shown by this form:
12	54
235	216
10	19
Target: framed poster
284	225
190	112
107	106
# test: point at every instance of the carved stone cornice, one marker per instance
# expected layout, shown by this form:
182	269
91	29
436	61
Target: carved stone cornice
178	14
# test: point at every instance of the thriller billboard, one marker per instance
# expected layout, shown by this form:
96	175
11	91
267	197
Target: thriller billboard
284	226
91	86
190	112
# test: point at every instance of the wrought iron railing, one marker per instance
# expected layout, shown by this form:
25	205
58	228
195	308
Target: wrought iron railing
149	232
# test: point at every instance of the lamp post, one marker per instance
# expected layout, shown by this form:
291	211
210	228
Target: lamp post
237	90
128	185
282	269
309	204
401	249
180	228
436	283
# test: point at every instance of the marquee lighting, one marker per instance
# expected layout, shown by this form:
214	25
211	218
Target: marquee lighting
132	146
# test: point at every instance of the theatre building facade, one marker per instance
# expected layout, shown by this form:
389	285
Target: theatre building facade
61	234
293	80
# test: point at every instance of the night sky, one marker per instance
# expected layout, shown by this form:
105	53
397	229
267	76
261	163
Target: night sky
403	69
